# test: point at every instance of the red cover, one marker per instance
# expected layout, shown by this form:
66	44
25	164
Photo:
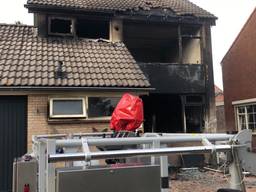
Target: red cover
128	114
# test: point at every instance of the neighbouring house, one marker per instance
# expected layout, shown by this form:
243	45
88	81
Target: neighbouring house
66	73
239	79
220	111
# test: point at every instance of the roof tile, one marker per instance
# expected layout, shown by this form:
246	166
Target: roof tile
177	7
87	63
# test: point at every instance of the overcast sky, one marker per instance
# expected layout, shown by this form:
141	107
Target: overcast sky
232	14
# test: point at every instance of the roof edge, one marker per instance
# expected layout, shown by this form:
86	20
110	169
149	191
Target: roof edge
45	88
37	7
16	25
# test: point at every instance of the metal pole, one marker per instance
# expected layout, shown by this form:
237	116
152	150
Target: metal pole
164	173
235	169
137	152
50	169
140	140
41	147
163	160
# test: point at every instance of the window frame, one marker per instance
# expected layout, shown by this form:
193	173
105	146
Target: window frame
69	116
50	18
245	114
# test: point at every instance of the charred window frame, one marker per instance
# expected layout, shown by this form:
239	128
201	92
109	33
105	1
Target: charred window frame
192	113
190	44
61	26
92	29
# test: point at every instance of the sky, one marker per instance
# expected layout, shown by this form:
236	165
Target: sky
232	15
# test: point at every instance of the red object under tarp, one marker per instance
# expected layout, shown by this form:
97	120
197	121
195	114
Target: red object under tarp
128	114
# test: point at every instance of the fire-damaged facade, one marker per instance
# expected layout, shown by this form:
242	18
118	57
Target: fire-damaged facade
66	73
70	69
169	39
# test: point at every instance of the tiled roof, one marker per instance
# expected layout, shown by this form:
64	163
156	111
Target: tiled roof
28	60
219	95
179	7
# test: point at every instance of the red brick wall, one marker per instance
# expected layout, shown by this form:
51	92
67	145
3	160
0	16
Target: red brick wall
239	70
38	120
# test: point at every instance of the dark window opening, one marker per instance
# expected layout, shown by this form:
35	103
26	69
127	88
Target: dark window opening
60	26
163	43
194	119
101	106
92	29
163	113
152	43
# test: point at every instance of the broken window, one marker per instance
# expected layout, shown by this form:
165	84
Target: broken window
191	44
150	43
92	29
193	110
101	106
61	26
163	43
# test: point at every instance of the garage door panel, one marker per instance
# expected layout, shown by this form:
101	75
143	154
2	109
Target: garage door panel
13	135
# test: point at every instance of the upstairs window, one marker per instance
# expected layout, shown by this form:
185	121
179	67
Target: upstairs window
92	29
61	26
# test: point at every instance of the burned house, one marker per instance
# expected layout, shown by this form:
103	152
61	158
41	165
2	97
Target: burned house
66	73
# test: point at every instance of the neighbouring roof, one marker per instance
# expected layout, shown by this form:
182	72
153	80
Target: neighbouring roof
219	95
242	32
29	60
179	7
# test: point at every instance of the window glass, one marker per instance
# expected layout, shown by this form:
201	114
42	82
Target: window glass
67	107
241	110
242	122
101	106
249	109
251	126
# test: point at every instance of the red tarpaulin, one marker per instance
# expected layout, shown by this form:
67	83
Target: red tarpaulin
128	114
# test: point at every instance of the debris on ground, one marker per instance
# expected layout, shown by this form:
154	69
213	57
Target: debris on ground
201	180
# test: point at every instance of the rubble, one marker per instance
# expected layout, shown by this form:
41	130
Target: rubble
200	180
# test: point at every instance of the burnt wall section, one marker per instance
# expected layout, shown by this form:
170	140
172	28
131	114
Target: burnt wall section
220	115
175	78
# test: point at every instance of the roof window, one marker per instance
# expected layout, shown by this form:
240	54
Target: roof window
92	29
61	26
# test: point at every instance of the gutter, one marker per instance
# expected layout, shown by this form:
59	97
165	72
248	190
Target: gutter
32	88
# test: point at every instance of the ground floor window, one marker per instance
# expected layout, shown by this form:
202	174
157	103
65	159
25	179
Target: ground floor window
246	117
67	108
101	106
84	107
